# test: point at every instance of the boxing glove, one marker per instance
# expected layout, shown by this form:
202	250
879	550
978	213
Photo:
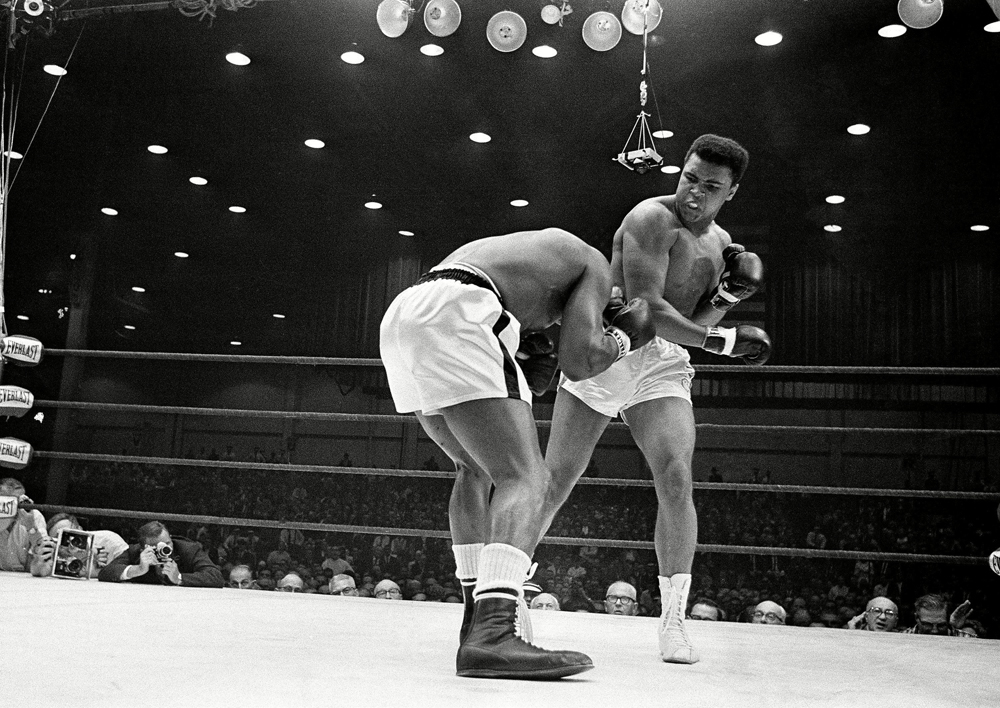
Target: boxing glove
742	276
537	358
746	342
630	323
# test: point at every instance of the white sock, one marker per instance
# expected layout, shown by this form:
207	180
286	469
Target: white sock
679	583
502	570
467	561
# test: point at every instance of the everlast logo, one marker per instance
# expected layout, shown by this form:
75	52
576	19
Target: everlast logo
24	351
8	507
15	452
14	394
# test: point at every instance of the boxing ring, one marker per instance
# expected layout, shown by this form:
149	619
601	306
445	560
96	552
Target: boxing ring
103	644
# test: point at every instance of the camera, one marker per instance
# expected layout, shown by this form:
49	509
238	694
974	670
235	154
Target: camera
163	552
641	160
74	553
68	566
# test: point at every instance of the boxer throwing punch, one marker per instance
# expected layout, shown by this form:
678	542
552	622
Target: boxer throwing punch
449	345
670	252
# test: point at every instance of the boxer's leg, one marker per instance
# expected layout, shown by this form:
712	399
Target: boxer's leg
468	511
576	429
499	434
664	430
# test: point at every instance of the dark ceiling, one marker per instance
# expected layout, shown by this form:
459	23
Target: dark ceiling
397	127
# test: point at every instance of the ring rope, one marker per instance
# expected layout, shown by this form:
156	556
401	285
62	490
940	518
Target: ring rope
395	419
705	368
445	474
556	540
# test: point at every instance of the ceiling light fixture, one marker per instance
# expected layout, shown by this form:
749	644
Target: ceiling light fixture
835	199
373	205
663	134
544	51
506	31
431	50
551	14
12	154
352	57
602	31
54	70
237	58
109	211
480	138
641	16
768	39
200	181
405	233
980	227
314	143
858	129
237	209
832	228
670	169
920	14
519	203
23	317
442	17
129	326
993	26
393	17
890	31
236	343
180	254
137	289
157	149
278	316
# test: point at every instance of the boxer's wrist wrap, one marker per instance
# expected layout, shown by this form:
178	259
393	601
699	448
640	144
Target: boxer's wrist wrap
621	339
720	340
724	300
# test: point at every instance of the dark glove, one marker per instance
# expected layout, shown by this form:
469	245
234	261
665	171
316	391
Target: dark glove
538	360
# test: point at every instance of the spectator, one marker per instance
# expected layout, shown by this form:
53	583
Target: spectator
768	612
241	578
880	615
345	461
388	590
22	535
971	629
620	599
292	582
931	614
334	562
531	591
343	584
545	601
160	559
706	609
107	544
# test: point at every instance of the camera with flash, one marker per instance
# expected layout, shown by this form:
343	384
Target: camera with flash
641	160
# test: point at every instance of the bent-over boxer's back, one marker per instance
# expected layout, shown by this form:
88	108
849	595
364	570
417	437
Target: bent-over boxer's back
535	271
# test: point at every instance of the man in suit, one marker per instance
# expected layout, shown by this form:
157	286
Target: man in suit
159	559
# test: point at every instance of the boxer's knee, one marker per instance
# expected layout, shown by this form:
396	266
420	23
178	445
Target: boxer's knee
673	480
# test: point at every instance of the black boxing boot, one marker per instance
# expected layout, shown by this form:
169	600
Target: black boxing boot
492	648
470	607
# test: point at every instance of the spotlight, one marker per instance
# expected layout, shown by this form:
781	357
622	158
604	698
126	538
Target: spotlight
442	17
34	7
640	16
920	14
506	31
393	17
602	31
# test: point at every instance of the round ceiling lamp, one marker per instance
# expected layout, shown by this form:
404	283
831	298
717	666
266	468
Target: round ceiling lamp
506	31
602	31
638	18
393	17
920	14
551	14
442	17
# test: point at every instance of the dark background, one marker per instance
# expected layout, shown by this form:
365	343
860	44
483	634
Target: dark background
905	283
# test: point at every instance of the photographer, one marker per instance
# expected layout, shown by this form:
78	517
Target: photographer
107	544
23	544
161	560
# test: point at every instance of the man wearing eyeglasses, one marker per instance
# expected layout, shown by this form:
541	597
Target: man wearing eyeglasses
620	599
880	615
387	590
343	584
931	613
768	612
292	582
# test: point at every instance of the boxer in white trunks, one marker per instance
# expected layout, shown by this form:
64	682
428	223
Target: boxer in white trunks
670	252
450	345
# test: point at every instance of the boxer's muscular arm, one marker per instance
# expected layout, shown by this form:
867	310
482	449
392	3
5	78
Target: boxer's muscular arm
704	313
647	236
584	349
